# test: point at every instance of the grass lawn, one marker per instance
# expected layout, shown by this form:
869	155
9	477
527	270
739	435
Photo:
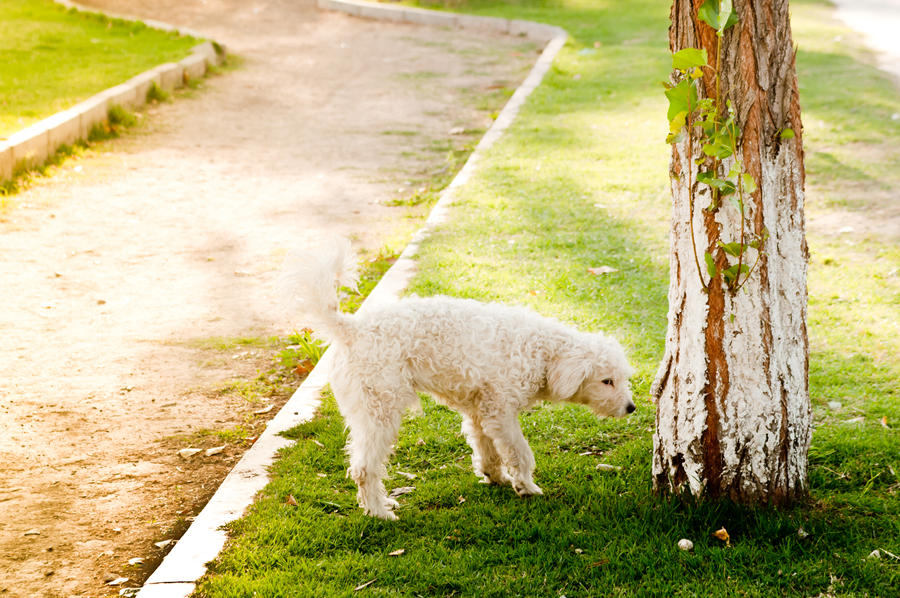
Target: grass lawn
580	181
51	58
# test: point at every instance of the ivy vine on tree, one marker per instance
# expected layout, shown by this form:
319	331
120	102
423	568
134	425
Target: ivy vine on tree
706	122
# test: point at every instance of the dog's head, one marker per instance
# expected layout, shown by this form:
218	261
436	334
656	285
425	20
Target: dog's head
593	372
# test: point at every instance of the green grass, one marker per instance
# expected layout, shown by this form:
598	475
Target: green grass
579	181
52	58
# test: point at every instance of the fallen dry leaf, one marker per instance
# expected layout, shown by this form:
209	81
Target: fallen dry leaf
401	491
304	367
214	450
263	410
290	500
363	585
607	467
602	270
397	552
187	453
117	581
884	422
722	534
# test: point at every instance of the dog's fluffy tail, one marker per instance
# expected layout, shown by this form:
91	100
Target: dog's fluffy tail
310	283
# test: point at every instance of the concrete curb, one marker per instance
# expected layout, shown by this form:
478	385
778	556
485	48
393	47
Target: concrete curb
186	563
33	145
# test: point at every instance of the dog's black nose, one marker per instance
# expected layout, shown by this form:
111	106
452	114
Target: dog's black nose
630	408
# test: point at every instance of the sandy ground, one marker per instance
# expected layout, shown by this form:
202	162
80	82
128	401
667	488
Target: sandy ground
119	273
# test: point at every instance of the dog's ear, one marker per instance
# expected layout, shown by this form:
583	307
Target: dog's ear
566	373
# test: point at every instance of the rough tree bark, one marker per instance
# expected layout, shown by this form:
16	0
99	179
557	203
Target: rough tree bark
733	414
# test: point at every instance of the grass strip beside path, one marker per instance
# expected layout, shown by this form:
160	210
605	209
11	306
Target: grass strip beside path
581	181
51	58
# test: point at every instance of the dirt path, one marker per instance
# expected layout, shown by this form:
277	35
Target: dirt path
136	283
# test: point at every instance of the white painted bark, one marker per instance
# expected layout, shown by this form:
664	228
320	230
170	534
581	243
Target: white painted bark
733	415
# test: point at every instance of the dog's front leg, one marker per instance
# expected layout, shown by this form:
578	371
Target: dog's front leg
486	462
514	451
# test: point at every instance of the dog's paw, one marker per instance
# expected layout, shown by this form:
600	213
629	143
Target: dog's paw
390	503
527	488
385	514
496	477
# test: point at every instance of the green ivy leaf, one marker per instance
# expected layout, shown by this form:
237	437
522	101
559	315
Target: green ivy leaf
708	125
675	137
724	186
682	98
718	14
677	122
748	182
689	58
717	149
731	273
734	249
787	133
710	265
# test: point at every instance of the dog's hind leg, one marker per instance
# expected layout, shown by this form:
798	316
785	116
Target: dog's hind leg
374	425
514	451
485	461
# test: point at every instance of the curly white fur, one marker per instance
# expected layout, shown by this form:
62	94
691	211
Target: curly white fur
487	361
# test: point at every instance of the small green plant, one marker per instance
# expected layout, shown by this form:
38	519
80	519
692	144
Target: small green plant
705	122
120	117
117	120
303	351
157	94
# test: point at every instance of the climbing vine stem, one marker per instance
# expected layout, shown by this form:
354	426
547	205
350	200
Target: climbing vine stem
711	123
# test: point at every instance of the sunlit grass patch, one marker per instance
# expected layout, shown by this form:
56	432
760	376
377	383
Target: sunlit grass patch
53	58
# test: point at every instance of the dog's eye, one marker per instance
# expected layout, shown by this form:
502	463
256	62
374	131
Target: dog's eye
607	381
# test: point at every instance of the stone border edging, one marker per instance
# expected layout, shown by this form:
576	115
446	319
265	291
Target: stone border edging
33	145
179	571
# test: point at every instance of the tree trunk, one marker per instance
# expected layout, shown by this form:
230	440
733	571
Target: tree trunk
732	392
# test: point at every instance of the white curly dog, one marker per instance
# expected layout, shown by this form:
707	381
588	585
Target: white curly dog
485	360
